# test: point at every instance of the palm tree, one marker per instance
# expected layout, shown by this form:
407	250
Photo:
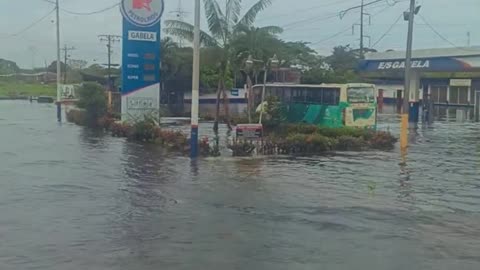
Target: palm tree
224	25
168	49
259	43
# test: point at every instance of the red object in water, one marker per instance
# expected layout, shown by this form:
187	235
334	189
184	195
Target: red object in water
380	99
142	4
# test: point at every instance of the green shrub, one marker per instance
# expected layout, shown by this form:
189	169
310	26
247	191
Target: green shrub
301	129
306	144
319	143
350	143
173	140
383	140
119	129
344	131
275	113
242	149
144	130
76	116
92	99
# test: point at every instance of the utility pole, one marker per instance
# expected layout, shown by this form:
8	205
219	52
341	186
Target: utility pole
195	82
408	66
361	30
109	39
408	58
180	15
65	50
468	39
59	105
33	52
361	24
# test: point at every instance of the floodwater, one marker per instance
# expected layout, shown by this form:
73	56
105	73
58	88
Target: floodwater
71	198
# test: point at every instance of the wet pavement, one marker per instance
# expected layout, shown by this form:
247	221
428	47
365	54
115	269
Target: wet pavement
71	198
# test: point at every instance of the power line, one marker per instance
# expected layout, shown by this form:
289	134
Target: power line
349	28
109	39
309	20
332	36
84	13
29	26
388	31
65	50
301	10
436	32
342	13
92	12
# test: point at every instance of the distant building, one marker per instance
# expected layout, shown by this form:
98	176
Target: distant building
41	77
450	76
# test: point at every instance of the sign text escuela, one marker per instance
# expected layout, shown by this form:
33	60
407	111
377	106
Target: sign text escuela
401	64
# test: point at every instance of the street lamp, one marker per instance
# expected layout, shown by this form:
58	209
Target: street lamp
272	61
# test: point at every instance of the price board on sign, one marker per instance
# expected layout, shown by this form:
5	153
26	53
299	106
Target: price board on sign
249	131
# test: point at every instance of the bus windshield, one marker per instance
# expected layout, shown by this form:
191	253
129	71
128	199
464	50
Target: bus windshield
361	95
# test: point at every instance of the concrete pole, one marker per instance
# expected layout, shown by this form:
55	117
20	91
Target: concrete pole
406	92
59	78
195	82
361	30
408	59
263	93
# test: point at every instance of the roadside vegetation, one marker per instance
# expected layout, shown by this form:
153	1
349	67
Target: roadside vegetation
280	138
21	89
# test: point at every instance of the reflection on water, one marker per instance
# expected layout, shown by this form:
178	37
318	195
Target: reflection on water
454	114
71	198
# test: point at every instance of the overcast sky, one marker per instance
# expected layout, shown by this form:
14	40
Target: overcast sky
303	20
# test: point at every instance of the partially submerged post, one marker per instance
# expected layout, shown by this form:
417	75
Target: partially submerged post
477	106
59	101
195	82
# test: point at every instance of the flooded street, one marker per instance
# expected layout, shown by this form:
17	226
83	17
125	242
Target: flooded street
71	198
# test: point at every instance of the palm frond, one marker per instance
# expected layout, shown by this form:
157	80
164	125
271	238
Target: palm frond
272	30
216	20
250	16
232	11
185	30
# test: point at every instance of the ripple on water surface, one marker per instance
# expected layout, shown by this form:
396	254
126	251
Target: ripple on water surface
76	199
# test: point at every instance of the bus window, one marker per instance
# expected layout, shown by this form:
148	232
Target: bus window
314	95
331	96
298	95
361	95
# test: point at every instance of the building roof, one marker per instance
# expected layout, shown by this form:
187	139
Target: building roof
425	53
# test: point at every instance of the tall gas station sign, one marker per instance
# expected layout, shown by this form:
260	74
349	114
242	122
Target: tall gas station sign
141	57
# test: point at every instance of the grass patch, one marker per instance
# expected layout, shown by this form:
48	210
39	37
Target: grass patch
12	89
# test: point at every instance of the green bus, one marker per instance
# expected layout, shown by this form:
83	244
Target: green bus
332	105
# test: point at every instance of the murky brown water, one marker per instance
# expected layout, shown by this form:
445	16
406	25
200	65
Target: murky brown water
74	199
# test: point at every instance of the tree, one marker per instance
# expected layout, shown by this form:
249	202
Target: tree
8	67
259	42
343	59
298	54
339	67
53	67
223	25
77	63
169	60
93	100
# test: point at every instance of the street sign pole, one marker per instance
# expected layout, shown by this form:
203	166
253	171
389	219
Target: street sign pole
195	83
141	58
